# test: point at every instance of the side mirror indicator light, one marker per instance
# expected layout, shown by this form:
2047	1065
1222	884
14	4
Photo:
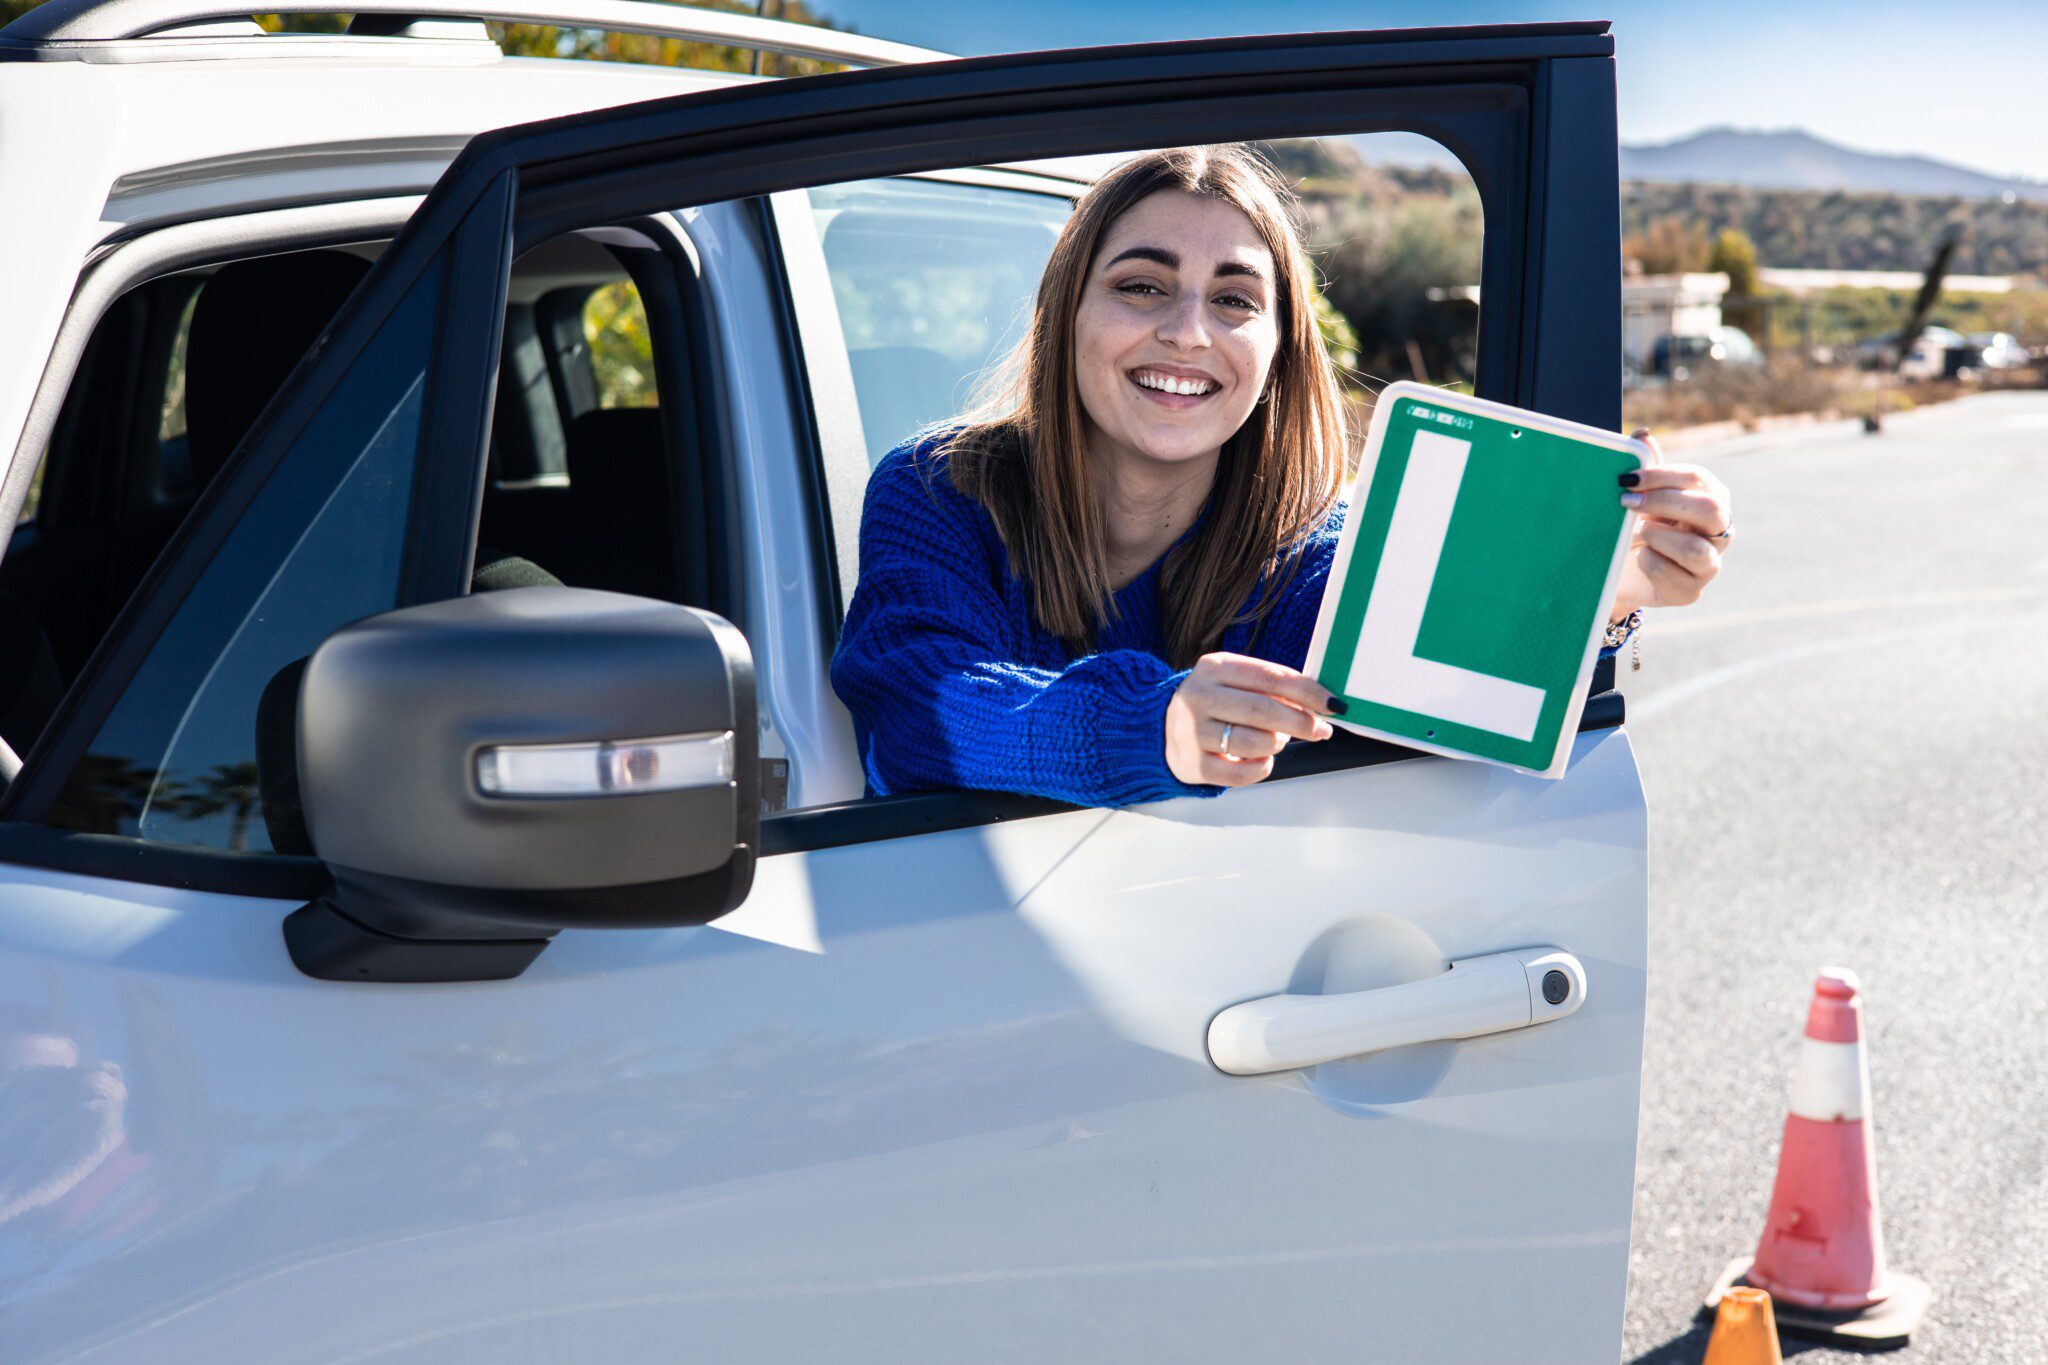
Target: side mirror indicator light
605	768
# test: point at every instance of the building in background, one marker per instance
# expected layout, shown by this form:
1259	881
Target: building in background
1657	306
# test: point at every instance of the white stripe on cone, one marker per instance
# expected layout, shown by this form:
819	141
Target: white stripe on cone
1832	1083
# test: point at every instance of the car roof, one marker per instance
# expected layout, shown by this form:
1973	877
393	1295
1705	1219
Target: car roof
161	118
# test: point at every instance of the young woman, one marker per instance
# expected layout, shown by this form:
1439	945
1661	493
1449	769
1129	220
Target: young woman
1101	587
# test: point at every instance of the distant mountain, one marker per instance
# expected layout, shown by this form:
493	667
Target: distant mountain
1792	159
1785	159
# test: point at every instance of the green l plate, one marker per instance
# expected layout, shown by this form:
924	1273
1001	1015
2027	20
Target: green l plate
1469	595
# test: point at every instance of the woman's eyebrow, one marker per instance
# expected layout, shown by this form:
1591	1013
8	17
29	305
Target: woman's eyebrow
1171	260
1158	254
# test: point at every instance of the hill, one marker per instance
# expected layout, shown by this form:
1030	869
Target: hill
1822	228
1793	159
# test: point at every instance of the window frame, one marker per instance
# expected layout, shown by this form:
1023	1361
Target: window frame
1536	102
440	539
829	392
137	261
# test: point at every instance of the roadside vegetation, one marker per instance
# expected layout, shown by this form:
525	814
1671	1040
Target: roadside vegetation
1836	230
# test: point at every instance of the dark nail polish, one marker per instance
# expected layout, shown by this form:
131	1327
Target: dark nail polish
1631	479
1338	706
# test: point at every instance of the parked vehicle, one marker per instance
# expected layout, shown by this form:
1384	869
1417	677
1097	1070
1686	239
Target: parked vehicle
403	957
1994	351
1676	357
1927	359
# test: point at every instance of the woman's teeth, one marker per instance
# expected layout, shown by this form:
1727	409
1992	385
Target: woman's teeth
1166	383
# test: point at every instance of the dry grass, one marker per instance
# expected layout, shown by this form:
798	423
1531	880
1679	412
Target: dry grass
1747	394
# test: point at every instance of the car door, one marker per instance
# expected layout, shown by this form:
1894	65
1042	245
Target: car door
945	1085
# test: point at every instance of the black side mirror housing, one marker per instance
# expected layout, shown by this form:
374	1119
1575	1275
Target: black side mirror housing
480	773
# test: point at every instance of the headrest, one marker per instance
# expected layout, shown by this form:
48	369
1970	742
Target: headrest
253	322
618	453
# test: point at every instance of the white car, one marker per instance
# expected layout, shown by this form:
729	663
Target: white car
1996	351
395	969
1928	358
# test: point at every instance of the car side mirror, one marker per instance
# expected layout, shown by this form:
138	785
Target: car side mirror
480	773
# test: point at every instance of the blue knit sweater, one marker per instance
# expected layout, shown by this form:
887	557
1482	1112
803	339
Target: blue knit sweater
953	684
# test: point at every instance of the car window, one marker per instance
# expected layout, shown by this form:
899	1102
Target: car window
933	281
609	514
620	349
171	475
319	546
33	502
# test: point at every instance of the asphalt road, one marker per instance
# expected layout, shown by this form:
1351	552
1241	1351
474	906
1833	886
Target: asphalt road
1846	752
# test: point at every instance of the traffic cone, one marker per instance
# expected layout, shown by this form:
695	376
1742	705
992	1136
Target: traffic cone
1744	1333
1821	1256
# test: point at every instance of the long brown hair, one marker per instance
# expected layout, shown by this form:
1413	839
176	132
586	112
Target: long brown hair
1022	454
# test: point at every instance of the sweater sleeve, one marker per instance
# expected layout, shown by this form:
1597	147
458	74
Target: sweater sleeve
939	701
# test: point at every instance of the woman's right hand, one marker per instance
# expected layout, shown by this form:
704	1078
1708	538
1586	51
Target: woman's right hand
1263	704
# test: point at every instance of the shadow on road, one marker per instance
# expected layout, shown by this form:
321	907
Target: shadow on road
1690	1346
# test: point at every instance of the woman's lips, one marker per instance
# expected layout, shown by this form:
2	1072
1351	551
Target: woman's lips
1173	401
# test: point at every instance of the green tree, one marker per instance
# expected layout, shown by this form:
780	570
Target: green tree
1340	339
1735	255
621	349
1382	260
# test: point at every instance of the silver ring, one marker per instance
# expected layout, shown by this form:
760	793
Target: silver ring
1723	534
1226	738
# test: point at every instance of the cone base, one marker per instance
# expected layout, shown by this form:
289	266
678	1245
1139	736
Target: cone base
1882	1326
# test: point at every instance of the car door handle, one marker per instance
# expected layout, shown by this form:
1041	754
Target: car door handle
1477	995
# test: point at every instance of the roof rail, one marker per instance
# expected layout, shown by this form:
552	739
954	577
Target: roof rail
61	28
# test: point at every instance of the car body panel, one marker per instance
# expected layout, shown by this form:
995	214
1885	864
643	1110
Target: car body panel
922	1097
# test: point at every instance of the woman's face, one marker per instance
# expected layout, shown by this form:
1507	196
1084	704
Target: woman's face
1176	329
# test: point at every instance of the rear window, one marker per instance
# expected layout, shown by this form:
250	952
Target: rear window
934	283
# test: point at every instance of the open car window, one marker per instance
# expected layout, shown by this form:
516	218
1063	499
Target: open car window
1470	90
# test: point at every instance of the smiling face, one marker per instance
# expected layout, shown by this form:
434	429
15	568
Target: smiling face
1176	329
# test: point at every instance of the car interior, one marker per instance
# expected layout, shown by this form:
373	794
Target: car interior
178	369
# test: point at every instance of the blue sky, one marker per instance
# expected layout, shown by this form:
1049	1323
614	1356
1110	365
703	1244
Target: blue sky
1962	80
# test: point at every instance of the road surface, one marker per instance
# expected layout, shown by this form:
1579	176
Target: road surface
1846	751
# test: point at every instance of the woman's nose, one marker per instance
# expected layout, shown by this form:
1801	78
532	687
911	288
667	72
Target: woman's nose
1183	325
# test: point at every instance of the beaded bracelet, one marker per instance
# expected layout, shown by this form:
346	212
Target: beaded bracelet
1628	628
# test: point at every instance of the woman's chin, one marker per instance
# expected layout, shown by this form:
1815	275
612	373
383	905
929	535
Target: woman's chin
1170	443
1177	453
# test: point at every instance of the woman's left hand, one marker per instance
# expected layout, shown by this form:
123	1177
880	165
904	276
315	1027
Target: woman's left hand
1680	537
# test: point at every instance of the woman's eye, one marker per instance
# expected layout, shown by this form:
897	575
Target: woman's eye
1239	301
1139	287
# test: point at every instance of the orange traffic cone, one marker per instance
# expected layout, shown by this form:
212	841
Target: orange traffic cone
1744	1333
1821	1256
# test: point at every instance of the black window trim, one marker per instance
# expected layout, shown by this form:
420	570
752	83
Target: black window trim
687	376
282	876
609	165
815	828
169	251
439	546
